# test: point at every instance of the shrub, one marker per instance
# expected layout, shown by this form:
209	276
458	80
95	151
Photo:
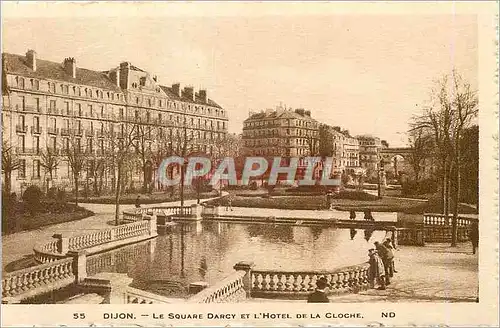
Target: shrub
32	197
52	193
61	196
355	195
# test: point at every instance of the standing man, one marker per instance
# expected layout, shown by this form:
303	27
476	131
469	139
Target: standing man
229	204
383	252
474	236
138	201
390	254
319	295
376	272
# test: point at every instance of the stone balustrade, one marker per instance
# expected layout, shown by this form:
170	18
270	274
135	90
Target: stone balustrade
58	249
138	296
298	284
165	210
432	219
90	239
32	281
230	290
129	216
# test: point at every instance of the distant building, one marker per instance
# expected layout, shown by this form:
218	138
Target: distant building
369	153
345	150
45	102
280	132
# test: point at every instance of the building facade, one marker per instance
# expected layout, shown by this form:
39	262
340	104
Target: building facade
48	105
280	132
345	150
369	154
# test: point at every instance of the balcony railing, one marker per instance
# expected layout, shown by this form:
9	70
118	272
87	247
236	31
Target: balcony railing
52	130
100	134
54	111
65	131
89	133
36	129
27	151
78	132
21	128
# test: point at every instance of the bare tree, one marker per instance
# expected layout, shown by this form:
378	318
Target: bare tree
10	163
120	143
452	109
142	145
420	146
49	160
76	158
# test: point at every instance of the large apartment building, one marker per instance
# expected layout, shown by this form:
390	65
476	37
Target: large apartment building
46	103
345	150
369	153
280	132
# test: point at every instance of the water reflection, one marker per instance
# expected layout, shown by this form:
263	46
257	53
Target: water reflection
353	233
192	252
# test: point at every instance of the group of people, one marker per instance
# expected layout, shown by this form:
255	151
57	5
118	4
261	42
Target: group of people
380	272
381	262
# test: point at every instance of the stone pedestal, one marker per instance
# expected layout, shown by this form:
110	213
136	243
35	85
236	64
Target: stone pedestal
196	210
196	287
80	264
247	279
62	243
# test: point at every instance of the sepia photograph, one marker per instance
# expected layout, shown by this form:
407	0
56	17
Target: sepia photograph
179	154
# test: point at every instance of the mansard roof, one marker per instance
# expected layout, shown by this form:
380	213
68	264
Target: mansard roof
198	99
16	64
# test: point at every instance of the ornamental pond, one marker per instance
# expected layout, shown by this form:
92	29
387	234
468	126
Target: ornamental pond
206	252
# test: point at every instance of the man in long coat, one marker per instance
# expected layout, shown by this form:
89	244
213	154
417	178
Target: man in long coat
376	272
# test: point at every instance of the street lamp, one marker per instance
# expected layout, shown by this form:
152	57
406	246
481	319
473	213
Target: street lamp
380	172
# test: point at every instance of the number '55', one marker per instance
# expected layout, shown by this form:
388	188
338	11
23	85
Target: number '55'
78	315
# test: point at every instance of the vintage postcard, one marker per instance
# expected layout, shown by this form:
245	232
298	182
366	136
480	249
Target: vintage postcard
170	164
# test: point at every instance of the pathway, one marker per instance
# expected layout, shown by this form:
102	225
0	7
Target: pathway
434	273
17	248
300	214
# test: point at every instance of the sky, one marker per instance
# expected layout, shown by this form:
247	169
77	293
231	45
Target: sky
367	73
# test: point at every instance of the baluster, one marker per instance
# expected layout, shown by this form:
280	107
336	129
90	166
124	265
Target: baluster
269	284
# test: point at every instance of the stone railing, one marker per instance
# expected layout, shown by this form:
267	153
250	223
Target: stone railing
58	249
413	236
433	219
289	284
165	210
36	280
138	296
90	239
230	290
129	216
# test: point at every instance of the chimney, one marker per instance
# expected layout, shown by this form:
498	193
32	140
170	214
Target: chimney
31	59
124	74
70	66
203	96
176	88
115	76
155	78
308	113
189	93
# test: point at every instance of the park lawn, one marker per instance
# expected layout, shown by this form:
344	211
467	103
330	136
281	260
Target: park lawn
157	197
314	202
50	213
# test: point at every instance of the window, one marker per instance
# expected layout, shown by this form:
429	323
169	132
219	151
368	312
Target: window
36	169
66	108
52	122
21	83
21	121
37	104
36	123
102	111
36	144
21	171
150	103
21	142
66	89
91	110
37	85
159	118
79	109
22	101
